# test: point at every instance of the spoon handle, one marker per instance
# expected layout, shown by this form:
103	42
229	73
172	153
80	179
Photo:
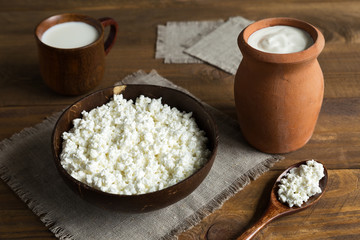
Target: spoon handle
270	214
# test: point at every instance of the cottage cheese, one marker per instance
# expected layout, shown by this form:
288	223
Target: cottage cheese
301	183
131	148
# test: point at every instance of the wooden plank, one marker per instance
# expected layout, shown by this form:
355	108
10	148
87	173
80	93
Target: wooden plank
342	217
68	5
15	119
337	118
135	48
336	140
25	101
21	83
17	221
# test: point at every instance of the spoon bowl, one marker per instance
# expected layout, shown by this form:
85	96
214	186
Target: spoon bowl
277	209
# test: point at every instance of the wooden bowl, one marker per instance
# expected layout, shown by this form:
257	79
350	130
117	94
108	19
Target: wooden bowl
142	202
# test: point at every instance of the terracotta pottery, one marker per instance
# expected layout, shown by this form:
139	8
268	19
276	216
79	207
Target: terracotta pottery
78	70
278	96
142	202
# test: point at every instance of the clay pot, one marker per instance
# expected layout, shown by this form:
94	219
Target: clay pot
278	96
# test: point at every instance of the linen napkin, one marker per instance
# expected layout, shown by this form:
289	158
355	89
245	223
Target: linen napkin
213	42
219	48
26	165
174	37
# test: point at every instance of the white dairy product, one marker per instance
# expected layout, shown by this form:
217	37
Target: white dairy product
280	39
70	35
131	148
301	183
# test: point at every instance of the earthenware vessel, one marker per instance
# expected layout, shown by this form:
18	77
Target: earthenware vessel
278	96
74	71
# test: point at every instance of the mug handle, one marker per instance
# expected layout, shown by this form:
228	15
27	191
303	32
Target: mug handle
109	42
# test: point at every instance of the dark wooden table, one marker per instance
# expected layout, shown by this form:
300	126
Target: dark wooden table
25	101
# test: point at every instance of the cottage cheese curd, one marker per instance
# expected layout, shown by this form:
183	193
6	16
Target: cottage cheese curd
131	148
301	183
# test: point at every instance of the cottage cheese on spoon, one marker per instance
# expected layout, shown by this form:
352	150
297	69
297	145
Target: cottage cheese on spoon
301	183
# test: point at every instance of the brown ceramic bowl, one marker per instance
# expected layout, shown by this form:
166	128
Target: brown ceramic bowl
142	202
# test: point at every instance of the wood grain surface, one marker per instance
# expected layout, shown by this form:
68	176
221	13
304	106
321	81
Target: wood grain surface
25	101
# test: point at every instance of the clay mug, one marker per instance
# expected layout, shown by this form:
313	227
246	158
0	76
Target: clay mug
74	71
278	96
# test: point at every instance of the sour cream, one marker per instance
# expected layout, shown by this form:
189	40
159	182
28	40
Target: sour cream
280	39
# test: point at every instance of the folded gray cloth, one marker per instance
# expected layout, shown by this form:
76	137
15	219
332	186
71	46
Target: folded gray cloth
213	42
219	48
174	37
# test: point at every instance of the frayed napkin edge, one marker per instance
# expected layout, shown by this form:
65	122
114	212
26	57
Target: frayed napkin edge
20	191
161	51
160	46
222	197
188	223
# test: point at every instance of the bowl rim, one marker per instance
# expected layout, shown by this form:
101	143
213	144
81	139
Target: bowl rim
209	161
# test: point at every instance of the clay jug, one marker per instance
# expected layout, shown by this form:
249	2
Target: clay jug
278	96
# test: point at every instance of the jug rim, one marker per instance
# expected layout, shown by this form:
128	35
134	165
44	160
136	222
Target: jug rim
309	53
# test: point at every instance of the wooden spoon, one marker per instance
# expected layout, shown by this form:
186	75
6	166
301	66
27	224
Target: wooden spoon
277	209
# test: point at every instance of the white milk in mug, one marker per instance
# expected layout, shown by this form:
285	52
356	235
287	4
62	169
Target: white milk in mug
280	39
70	35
